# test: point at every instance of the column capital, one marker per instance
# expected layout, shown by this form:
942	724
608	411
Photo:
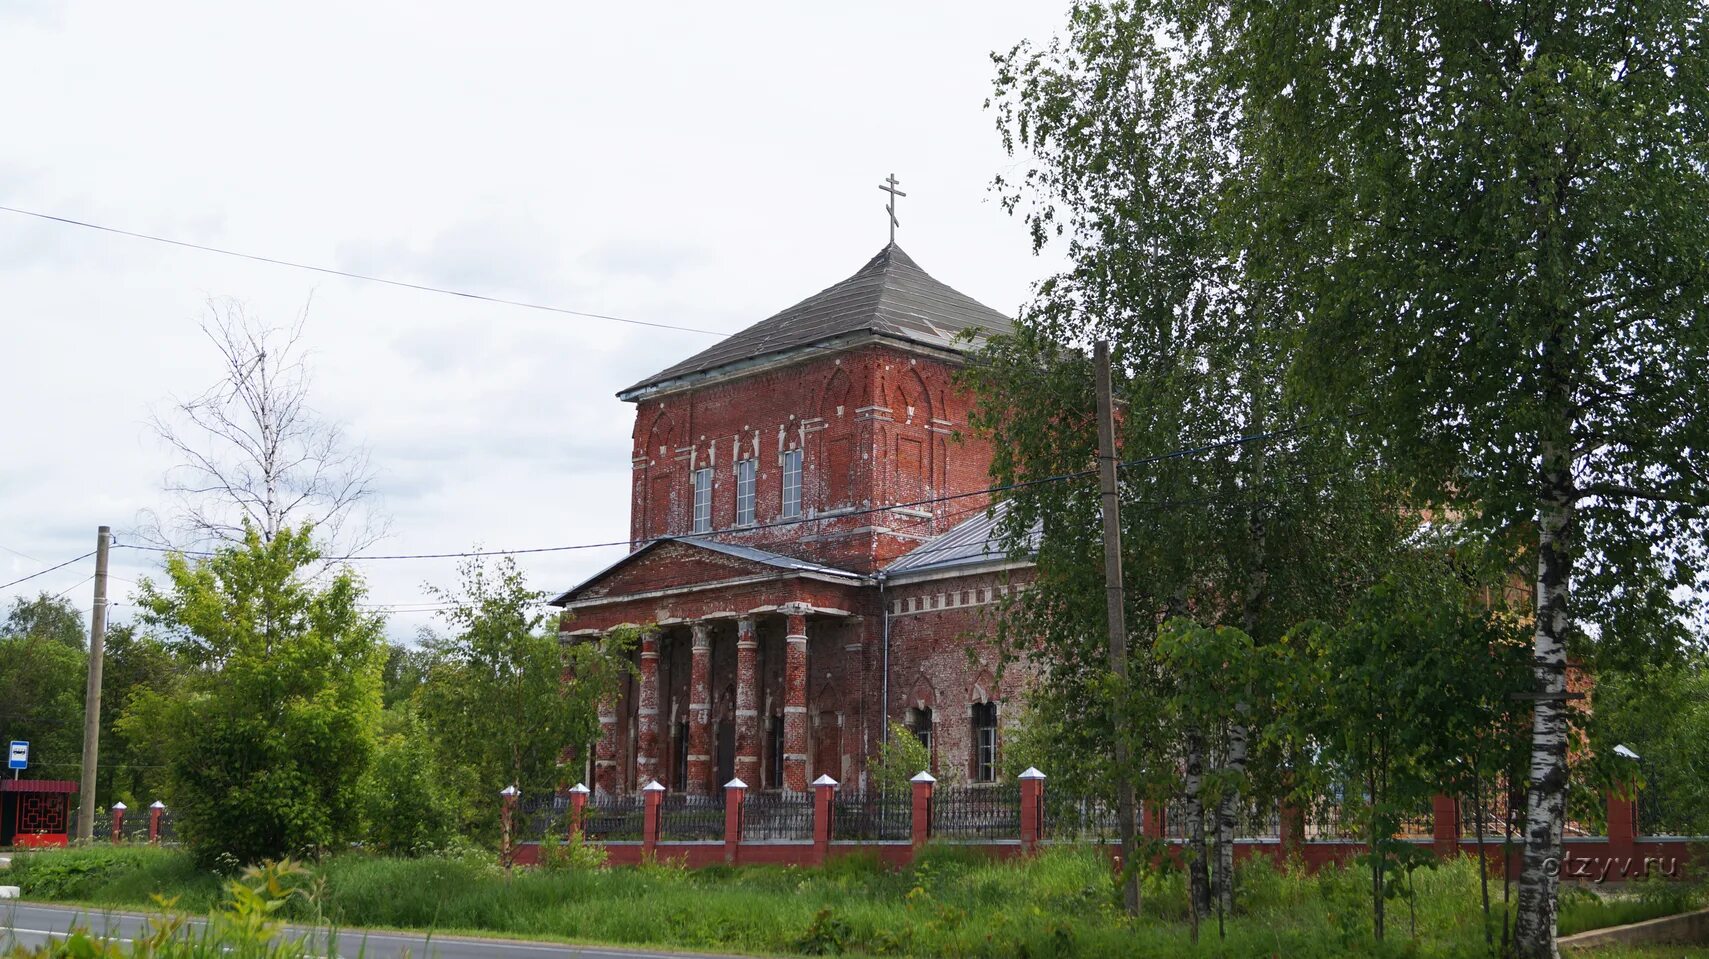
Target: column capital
702	633
795	609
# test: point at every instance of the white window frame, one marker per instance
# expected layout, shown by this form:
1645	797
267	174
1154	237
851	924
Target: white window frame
985	746
791	484
747	474
702	479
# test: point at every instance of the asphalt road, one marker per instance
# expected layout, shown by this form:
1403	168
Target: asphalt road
33	924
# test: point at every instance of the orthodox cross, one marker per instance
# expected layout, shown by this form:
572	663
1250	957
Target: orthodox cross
889	186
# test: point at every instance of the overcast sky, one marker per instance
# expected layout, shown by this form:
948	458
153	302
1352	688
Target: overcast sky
695	164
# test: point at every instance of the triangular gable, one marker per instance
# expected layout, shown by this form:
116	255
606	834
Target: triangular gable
670	564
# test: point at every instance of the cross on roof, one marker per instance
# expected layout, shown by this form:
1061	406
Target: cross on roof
889	186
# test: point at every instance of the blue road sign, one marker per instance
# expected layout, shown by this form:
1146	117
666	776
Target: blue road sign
19	755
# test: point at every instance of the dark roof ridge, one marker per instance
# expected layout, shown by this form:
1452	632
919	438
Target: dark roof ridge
888	296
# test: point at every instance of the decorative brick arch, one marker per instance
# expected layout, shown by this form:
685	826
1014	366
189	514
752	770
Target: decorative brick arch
911	391
838	392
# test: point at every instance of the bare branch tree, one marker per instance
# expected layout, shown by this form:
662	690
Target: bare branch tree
251	449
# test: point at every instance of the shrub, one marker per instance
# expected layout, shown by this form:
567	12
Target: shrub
407	808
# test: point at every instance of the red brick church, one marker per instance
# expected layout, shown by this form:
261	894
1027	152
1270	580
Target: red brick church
805	564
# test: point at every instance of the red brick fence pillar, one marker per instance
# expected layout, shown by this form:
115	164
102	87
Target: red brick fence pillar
1032	808
653	795
118	821
155	811
578	810
1292	821
1445	814
923	782
734	792
1622	819
824	805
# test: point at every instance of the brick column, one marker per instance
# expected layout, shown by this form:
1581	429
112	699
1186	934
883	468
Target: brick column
118	821
1151	824
824	806
734	792
700	713
795	699
1293	829
578	809
1032	808
923	782
605	750
747	702
155	811
1445	816
653	797
647	725
507	822
1622	819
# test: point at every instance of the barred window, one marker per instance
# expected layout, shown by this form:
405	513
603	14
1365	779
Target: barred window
984	742
791	484
745	492
703	501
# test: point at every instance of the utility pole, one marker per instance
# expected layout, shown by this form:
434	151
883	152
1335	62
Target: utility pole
1116	607
92	692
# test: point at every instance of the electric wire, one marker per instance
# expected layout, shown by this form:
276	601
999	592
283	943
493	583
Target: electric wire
47	571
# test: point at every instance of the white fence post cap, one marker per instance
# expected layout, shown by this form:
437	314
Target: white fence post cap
923	777
735	784
510	791
1032	773
825	780
120	807
579	788
157	804
653	787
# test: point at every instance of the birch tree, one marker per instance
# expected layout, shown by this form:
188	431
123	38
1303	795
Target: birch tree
251	449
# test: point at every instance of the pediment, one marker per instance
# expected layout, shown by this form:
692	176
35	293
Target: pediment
677	564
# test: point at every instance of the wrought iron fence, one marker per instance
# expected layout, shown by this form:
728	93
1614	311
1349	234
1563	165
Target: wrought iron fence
538	818
1330	820
690	818
1663	814
777	817
977	812
1071	817
873	817
1497	807
614	819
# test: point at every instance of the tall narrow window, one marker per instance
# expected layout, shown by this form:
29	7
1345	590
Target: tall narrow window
703	500
791	484
920	724
984	742
745	492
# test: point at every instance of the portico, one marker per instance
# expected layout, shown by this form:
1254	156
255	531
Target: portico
722	682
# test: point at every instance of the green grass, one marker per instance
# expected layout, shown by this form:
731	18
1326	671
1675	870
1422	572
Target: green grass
1061	903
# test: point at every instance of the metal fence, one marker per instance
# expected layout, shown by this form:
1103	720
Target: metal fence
873	817
777	817
977	812
1071	817
536	819
614	819
690	818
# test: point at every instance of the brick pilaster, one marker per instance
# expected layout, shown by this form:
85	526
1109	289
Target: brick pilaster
700	713
747	702
647	715
795	699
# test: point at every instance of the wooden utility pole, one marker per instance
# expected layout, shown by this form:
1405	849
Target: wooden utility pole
92	692
1116	606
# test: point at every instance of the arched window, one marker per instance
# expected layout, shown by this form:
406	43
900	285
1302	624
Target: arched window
984	764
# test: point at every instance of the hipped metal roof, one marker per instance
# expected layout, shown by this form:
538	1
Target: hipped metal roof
888	297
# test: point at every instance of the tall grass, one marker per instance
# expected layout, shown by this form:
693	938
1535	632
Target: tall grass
951	902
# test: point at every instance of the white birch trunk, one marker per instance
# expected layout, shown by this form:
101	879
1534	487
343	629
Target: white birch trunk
1226	816
1545	799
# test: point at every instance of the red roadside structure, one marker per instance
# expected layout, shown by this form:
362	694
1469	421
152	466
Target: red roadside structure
36	812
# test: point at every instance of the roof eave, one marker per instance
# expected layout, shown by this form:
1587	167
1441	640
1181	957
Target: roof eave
766	361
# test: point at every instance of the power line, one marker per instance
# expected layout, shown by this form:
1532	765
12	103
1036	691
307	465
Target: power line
47	571
275	261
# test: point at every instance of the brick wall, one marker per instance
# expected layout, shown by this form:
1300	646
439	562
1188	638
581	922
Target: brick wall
876	426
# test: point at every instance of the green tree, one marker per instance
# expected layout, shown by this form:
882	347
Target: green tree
407	806
503	697
268	736
42	674
1272	515
900	758
136	663
49	617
